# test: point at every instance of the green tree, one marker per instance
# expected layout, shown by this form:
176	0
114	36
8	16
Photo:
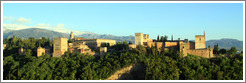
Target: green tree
232	51
70	41
222	51
216	49
76	66
130	42
124	42
162	39
158	38
165	38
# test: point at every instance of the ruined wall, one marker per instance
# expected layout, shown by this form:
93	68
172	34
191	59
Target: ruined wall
79	38
191	45
40	51
60	46
211	54
103	50
200	42
171	44
132	46
104	41
158	45
183	49
91	43
94	43
149	42
139	39
207	53
80	47
181	42
145	38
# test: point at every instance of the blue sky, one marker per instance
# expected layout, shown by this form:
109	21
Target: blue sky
182	20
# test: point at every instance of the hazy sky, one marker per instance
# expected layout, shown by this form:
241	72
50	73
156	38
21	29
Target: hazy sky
182	20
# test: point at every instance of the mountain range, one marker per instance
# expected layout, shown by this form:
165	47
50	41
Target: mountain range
32	32
38	33
226	43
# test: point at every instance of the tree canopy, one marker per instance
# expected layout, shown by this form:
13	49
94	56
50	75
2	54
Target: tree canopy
166	65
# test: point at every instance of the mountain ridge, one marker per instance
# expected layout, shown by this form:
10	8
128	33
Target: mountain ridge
226	43
38	33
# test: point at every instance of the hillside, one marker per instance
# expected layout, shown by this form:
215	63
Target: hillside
105	36
38	33
226	43
33	32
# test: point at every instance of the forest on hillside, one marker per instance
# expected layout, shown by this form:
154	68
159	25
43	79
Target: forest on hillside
166	65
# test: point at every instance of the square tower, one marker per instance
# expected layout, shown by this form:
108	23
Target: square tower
183	50
146	36
40	51
59	46
139	37
200	41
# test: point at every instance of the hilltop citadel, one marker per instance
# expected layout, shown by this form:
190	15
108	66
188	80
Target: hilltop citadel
101	46
184	47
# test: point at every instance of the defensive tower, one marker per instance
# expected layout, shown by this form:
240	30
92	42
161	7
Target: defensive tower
59	46
71	35
200	41
139	37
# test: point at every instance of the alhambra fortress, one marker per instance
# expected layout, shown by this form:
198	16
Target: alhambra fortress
98	47
184	47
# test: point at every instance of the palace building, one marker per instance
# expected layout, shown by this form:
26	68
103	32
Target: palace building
184	47
81	45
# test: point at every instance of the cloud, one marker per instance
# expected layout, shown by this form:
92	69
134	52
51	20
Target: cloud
18	24
7	18
60	25
62	30
59	28
22	20
19	27
42	25
15	26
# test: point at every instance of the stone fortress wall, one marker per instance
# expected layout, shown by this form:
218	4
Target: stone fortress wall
207	53
89	46
183	46
171	44
81	45
40	51
95	43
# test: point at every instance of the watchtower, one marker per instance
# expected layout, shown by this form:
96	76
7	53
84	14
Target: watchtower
183	50
139	37
71	35
200	41
59	46
40	51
